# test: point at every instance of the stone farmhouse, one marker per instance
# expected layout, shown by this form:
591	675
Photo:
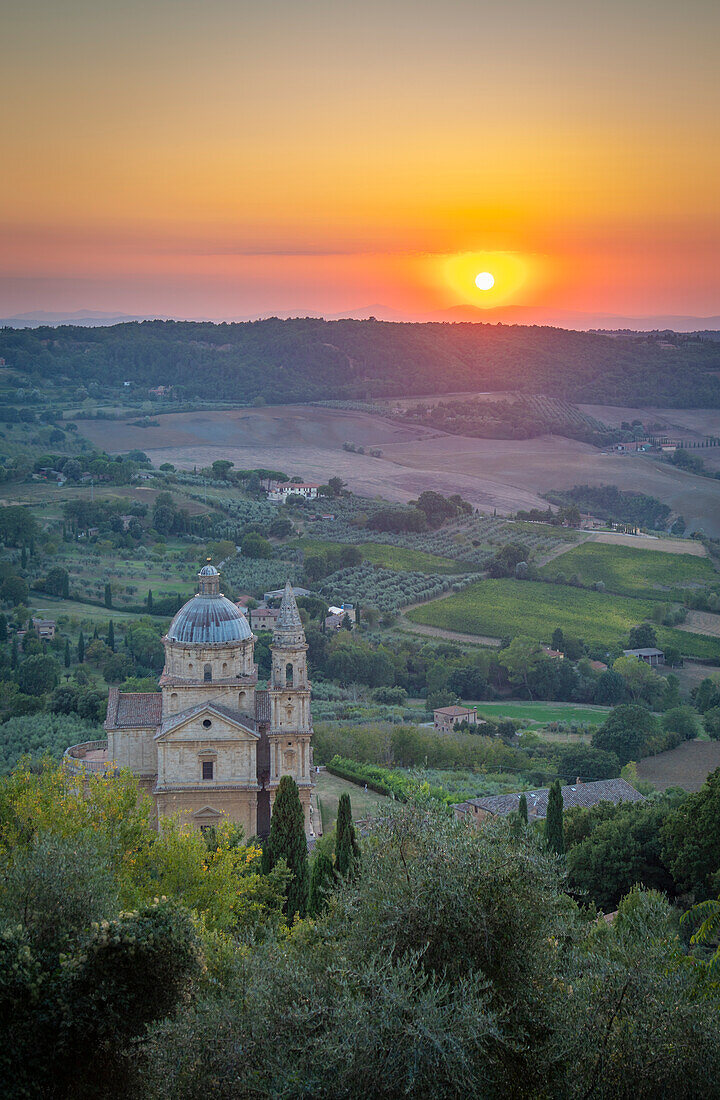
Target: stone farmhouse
446	718
649	655
579	794
210	744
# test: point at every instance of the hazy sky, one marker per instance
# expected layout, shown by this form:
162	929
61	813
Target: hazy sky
220	158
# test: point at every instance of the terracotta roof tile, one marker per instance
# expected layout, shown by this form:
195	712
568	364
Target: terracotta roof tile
137	709
578	794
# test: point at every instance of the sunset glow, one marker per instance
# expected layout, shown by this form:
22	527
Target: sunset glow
232	159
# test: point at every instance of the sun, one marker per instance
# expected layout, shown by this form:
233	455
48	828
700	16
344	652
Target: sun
484	280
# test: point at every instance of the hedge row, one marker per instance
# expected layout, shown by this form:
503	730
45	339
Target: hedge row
384	781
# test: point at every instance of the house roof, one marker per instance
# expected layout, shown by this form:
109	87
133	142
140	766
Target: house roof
649	652
578	794
453	711
133	709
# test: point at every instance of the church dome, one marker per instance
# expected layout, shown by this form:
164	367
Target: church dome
209	620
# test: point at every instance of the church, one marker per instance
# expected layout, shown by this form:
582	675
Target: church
210	744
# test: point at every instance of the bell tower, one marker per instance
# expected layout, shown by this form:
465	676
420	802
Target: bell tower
289	696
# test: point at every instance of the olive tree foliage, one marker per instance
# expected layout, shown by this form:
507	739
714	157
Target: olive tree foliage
431	970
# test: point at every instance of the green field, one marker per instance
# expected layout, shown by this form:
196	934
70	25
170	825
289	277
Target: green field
541	713
648	574
533	609
392	557
330	787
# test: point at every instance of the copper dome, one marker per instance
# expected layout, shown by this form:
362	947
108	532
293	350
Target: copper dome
209	620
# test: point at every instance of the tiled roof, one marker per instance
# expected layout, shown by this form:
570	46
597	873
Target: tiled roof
133	709
579	794
454	710
262	706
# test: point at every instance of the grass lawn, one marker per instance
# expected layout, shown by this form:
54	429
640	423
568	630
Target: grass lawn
533	609
542	713
52	607
392	557
648	574
330	787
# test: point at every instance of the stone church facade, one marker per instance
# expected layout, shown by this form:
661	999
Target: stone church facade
211	745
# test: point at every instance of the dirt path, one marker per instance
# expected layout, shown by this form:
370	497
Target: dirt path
561	549
647	542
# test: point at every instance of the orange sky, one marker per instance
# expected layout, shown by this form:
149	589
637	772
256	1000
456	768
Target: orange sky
223	159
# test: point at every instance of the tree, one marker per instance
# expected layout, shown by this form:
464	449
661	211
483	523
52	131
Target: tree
347	850
683	721
81	647
322	878
522	659
691	839
38	675
57	582
554	839
671	693
336	485
254	545
627	731
66	656
108	595
14	652
523	809
111	636
558	639
287	842
641	681
149	601
14	590
610	688
642	637
221	468
3	628
711	719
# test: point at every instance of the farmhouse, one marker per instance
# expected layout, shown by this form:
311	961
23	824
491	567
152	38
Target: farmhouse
281	490
650	656
210	745
446	718
264	618
580	794
45	628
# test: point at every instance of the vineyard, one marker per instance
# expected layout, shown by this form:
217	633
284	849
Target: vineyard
534	609
387	589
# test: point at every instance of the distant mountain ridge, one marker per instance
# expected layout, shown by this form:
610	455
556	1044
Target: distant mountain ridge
310	359
511	315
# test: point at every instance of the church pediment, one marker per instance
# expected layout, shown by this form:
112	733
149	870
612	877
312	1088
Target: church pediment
207	816
206	721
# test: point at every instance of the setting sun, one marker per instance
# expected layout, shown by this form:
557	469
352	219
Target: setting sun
484	280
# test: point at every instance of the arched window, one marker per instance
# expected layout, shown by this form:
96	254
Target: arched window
207	674
241	700
288	675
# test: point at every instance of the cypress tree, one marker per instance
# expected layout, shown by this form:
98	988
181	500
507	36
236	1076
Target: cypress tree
32	548
347	850
14	653
322	876
554	837
522	809
3	628
111	635
95	634
65	585
23	557
81	647
67	653
108	595
287	841
149	601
